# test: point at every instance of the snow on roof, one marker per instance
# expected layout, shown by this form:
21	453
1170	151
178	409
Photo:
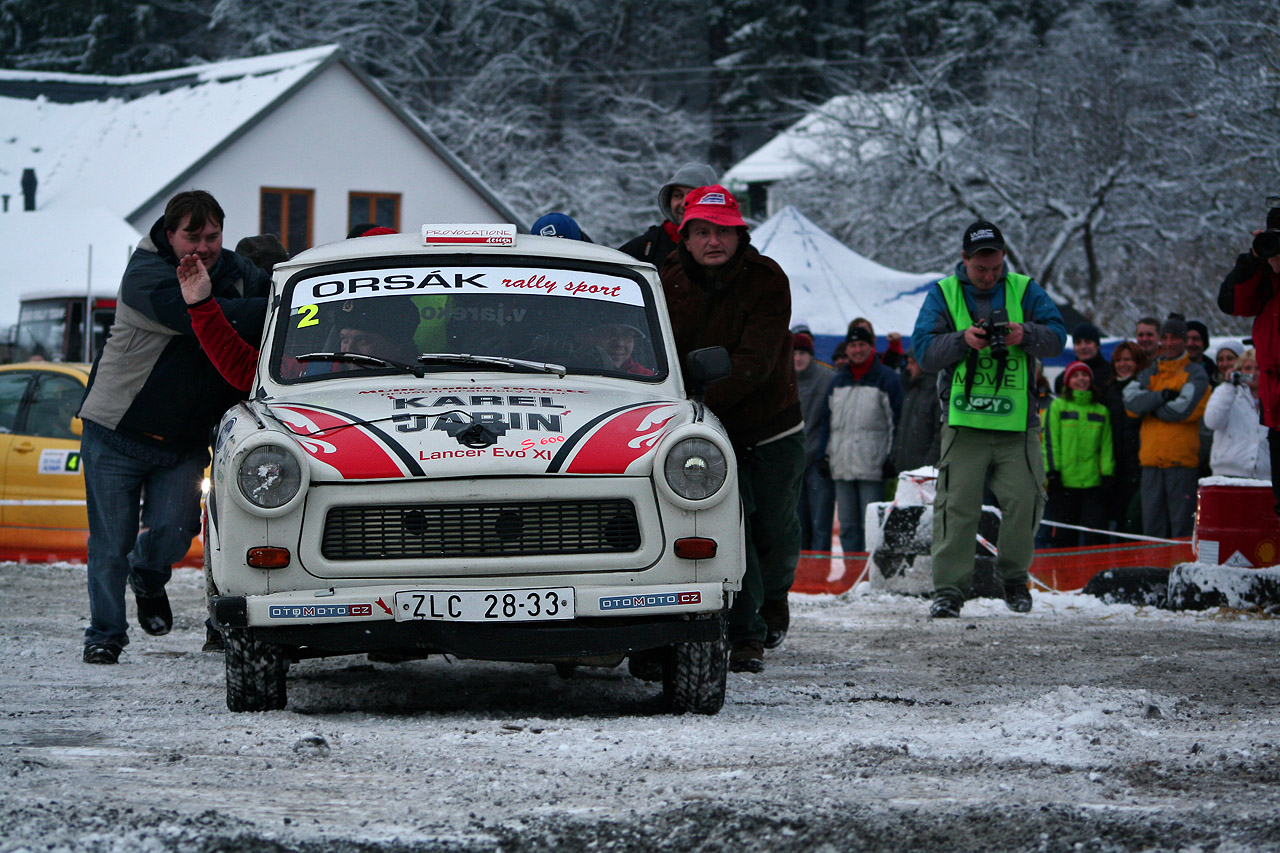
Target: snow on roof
846	127
122	151
831	284
225	70
61	251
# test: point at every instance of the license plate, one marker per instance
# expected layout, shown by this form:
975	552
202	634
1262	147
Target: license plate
490	605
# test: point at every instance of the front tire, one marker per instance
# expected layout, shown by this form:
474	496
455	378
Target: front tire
255	672
694	675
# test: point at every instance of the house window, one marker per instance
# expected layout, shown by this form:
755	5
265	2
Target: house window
287	213
378	208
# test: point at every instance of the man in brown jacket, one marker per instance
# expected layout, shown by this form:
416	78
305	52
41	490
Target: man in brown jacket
721	292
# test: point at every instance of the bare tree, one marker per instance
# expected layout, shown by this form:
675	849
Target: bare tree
1119	169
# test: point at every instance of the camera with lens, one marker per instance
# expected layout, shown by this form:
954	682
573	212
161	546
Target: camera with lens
995	328
1235	377
1266	244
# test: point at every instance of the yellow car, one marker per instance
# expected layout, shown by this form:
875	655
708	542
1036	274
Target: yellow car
42	508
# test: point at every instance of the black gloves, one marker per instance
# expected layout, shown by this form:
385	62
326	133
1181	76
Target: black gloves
1169	394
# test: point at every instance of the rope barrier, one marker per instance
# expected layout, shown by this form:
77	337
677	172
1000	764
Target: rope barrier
1114	533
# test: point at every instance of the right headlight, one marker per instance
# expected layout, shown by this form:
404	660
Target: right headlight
269	478
695	469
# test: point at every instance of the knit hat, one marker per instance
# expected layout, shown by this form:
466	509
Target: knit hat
1235	347
715	204
802	341
1176	325
982	235
1074	368
860	333
379	230
556	225
265	250
1202	329
689	175
1087	332
396	317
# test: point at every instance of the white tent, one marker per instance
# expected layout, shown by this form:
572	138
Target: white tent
831	284
61	251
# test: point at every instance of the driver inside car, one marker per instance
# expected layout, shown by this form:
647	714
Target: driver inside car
382	327
618	342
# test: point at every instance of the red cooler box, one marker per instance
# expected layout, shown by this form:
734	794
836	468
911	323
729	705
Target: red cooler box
1237	526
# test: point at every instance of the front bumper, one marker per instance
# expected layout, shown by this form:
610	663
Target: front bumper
609	620
512	641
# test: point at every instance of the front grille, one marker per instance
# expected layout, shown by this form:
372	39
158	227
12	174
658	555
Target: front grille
512	529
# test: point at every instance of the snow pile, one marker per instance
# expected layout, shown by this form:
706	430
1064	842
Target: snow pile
1238	482
1062	724
1197	586
899	534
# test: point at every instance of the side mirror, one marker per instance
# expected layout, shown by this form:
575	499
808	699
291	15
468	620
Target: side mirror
704	366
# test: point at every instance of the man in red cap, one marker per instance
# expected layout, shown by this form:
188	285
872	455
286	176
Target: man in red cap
722	292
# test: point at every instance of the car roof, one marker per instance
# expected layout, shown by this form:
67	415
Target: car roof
70	368
411	244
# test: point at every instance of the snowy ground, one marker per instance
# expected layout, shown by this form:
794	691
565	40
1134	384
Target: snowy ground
1078	727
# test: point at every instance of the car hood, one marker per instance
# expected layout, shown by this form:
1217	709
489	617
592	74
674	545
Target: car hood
468	429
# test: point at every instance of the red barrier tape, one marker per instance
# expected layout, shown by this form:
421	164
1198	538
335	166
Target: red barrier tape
1060	569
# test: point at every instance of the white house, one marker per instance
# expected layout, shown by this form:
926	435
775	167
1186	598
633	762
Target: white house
300	144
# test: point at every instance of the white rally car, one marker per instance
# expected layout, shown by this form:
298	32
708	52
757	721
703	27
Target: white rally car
480	444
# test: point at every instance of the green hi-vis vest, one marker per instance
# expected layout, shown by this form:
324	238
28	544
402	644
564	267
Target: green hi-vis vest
986	406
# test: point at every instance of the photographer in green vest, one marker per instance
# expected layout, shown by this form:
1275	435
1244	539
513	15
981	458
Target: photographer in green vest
982	329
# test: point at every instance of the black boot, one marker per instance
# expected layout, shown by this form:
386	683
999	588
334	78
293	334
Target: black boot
777	619
1017	597
154	613
945	607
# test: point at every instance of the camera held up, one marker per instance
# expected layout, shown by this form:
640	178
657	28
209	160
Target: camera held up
995	328
1266	244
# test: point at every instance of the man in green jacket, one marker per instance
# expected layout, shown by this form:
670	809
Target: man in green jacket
992	430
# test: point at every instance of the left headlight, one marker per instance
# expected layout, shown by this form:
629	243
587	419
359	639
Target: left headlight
695	469
269	476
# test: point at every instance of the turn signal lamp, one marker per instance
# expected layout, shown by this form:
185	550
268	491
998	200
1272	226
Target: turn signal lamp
696	548
268	557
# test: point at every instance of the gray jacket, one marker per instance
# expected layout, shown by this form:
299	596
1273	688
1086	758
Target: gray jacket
812	383
918	440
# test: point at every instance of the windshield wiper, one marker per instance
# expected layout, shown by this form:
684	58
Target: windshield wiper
493	361
362	360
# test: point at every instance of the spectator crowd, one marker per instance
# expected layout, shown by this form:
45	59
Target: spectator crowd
1126	433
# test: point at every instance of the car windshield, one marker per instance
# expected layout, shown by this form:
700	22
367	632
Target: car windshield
467	315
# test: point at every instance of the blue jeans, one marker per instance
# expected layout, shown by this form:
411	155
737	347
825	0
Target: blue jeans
120	491
852	497
817	510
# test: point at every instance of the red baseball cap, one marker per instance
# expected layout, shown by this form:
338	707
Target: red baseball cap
715	204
